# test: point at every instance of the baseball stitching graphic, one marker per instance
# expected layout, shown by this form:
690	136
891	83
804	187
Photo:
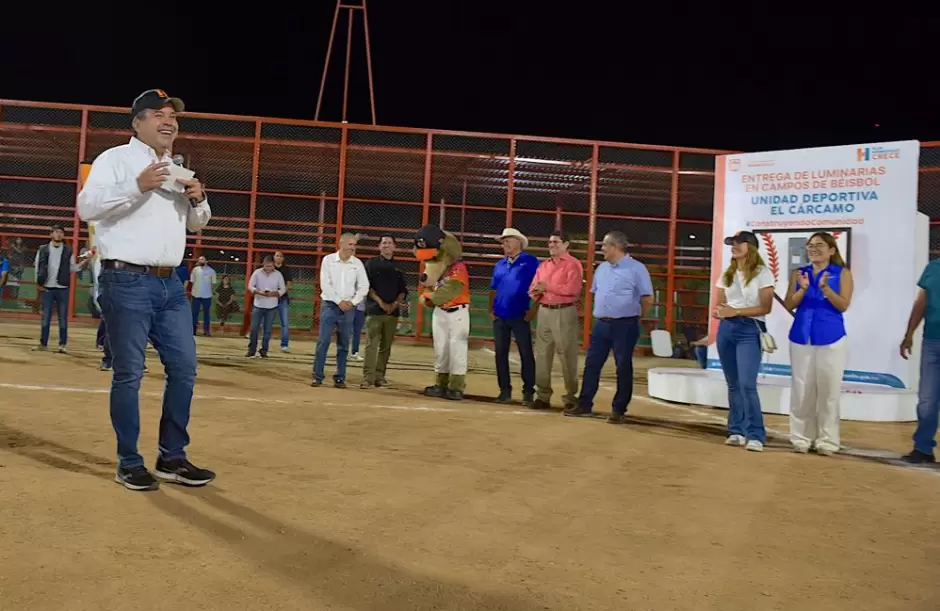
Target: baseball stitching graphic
773	258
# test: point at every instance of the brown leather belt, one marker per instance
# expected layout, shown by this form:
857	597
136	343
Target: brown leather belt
159	272
556	306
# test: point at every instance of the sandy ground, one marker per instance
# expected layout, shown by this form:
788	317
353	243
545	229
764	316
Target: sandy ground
387	500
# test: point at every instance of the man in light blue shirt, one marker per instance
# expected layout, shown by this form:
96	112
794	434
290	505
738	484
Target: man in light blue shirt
623	293
203	281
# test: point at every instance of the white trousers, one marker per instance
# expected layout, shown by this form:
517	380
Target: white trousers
815	392
450	332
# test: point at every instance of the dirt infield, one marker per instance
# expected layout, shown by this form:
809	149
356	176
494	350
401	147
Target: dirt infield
384	500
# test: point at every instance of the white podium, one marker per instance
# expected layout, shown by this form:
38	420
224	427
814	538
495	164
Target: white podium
865	402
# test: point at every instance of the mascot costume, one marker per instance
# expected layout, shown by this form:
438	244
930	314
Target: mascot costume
447	290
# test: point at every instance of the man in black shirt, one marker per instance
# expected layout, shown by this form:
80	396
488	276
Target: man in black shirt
386	291
284	304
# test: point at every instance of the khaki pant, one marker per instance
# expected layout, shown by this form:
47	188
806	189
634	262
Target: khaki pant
557	332
380	333
815	392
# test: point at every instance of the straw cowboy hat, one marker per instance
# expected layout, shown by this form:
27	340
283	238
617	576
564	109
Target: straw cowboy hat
509	232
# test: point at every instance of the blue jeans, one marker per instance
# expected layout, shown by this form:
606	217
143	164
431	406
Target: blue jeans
259	317
101	334
282	308
740	353
503	331
333	319
621	336
359	320
102	340
701	355
206	304
136	307
928	397
58	299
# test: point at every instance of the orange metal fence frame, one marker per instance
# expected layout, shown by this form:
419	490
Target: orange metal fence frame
295	186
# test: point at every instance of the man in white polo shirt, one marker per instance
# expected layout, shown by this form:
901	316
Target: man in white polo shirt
343	286
141	217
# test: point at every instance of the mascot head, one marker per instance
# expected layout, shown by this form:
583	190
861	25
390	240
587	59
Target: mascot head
438	249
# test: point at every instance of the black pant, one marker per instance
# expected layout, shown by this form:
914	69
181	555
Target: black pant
503	330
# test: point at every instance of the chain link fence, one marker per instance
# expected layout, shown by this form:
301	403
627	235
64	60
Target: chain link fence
295	186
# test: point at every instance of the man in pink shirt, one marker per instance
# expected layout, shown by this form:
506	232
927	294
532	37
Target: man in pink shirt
557	289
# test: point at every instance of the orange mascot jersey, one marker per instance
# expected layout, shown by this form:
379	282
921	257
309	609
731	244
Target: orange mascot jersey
458	271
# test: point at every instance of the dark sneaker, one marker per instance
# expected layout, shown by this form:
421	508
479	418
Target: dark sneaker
40	348
136	478
339	383
183	472
505	396
264	355
366	384
453	395
527	398
105	366
916	457
381	382
316	382
249	355
577	410
539	404
616	419
434	391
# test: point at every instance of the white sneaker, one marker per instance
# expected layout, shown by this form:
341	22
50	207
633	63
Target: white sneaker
800	448
735	440
355	356
285	349
754	446
825	451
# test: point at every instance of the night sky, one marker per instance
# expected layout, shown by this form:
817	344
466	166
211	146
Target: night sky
784	78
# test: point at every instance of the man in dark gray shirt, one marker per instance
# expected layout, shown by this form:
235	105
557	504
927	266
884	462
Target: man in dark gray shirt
387	290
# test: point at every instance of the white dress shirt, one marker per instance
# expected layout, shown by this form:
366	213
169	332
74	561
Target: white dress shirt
261	280
134	227
343	280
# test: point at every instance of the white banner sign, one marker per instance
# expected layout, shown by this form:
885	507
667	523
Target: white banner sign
866	196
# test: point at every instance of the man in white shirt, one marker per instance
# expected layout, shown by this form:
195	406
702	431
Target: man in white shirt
141	216
203	281
267	287
343	286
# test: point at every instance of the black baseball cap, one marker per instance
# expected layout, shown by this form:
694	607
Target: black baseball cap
427	241
742	237
155	99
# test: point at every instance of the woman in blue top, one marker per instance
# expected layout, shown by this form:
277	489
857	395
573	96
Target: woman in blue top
818	294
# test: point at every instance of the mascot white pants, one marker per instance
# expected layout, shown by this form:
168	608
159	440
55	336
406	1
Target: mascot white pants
451	331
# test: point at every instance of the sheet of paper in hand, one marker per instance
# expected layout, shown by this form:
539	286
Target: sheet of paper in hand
177	173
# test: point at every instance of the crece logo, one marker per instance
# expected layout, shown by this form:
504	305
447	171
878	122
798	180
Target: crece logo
876	153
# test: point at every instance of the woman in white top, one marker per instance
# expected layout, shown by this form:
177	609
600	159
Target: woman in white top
745	296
